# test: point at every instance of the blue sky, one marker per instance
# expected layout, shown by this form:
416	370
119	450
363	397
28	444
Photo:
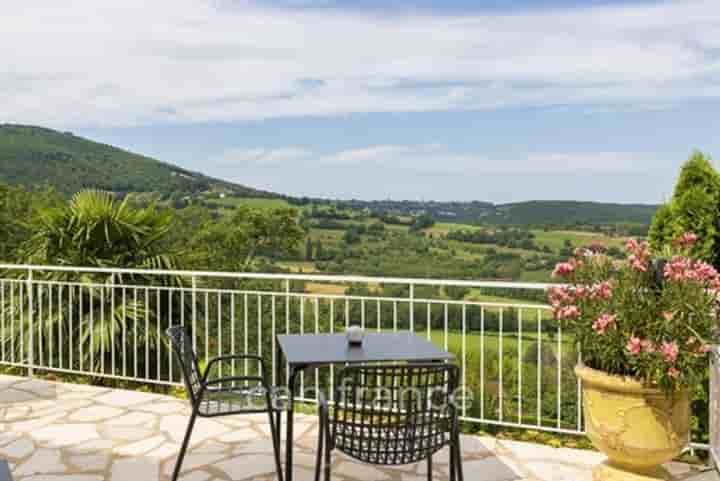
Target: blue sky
455	100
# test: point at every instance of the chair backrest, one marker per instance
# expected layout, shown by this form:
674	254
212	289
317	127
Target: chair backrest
182	346
394	414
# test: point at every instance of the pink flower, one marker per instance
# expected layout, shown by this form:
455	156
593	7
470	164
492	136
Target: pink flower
688	239
567	312
677	269
603	322
597	247
668	315
670	350
673	373
648	346
632	245
582	252
634	345
682	269
601	290
638	254
564	269
704	272
559	296
638	263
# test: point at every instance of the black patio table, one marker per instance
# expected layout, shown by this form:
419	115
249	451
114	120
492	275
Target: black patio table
304	351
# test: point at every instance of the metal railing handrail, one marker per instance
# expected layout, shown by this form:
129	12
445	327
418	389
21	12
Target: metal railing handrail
286	276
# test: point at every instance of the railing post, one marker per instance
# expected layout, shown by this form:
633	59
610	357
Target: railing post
31	327
287	325
194	312
412	307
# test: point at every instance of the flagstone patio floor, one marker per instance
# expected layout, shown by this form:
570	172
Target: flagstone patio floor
67	432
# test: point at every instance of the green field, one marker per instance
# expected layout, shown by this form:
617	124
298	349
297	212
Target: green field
512	343
351	247
556	238
260	203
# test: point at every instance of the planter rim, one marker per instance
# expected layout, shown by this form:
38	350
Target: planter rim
613	382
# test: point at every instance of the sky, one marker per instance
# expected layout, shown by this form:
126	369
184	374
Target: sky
495	100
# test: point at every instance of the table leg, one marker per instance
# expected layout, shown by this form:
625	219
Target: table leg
289	421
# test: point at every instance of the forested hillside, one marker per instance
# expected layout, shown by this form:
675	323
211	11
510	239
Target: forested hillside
36	156
537	212
571	212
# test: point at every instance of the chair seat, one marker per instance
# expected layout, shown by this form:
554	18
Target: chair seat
238	400
387	445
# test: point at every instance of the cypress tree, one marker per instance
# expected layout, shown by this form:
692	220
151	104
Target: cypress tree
694	207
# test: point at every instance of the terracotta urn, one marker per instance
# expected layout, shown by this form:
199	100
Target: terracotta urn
637	427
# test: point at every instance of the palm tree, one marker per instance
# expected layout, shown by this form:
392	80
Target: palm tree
97	319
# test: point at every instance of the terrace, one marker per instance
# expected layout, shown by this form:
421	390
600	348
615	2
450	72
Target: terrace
513	358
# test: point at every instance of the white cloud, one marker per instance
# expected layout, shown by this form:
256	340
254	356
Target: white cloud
442	160
435	171
89	63
260	156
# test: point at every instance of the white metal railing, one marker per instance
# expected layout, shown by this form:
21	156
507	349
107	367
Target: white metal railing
514	358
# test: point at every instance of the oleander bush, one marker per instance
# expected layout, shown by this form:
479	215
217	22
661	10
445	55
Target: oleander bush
650	316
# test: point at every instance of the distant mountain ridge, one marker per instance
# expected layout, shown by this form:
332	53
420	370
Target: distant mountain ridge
551	212
564	212
37	156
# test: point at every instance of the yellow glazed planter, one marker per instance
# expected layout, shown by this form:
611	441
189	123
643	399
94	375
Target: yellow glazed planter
637	427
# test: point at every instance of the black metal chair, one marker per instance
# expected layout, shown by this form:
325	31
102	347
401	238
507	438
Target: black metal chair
392	415
223	396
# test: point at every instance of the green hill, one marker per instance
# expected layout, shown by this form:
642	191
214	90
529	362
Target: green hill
34	156
571	212
535	212
37	156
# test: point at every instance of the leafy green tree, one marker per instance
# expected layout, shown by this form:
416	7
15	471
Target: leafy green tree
13	228
376	229
236	243
96	230
424	221
457	292
351	236
19	209
308	249
693	207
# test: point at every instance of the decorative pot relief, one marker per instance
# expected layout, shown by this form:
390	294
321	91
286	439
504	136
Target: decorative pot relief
638	428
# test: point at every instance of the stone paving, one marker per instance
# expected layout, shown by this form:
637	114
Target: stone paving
66	432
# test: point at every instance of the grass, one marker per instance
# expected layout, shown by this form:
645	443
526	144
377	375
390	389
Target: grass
298	267
555	239
443	228
323	288
258	202
476	295
511	342
536	276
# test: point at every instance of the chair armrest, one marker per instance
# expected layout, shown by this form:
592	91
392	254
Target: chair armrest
223	380
208	383
232	357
